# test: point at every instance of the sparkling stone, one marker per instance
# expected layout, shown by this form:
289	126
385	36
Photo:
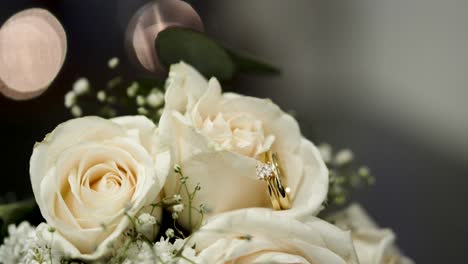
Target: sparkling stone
264	171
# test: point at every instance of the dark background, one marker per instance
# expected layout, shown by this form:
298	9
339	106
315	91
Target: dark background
386	79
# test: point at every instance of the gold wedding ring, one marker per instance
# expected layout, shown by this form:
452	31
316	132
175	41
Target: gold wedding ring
272	173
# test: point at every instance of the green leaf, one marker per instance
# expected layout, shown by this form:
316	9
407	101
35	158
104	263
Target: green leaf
249	65
207	56
14	213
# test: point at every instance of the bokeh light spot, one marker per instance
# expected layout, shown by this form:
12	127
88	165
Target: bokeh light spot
33	47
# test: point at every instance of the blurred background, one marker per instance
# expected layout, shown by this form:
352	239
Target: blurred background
386	79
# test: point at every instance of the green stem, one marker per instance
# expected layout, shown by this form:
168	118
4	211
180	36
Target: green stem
178	230
189	205
50	249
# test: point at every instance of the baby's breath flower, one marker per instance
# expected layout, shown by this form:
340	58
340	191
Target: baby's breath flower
142	111
326	152
343	176
178	208
140	100
178	198
365	174
17	244
164	249
344	157
70	99
27	245
155	99
177	168
76	111
145	224
101	96
167	251
170	233
136	252
160	111
175	215
363	171
132	89
113	62
187	250
204	209
146	219
81	86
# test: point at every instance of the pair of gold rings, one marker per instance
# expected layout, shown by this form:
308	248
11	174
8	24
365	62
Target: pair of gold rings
272	173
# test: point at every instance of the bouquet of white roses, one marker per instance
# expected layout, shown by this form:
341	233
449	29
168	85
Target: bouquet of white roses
230	174
195	175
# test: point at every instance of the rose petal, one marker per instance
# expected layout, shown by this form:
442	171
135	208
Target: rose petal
275	121
317	241
65	135
185	86
90	172
144	128
373	244
310	187
228	182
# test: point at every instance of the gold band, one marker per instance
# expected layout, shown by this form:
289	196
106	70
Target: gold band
272	173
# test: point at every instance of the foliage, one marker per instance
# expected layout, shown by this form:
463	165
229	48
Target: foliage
205	54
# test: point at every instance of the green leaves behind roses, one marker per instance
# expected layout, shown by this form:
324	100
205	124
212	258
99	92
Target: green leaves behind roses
206	55
14	213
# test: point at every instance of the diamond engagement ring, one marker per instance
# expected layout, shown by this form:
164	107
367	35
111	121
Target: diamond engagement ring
272	173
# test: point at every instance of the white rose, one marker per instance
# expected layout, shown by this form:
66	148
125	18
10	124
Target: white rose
258	235
373	245
90	174
218	138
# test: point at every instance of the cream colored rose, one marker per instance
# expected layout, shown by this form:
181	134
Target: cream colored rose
218	139
373	245
258	235
90	173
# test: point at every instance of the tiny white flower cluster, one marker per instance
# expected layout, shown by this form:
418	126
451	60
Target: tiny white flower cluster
154	99
25	245
15	246
176	210
132	89
145	224
146	99
80	87
341	158
101	96
138	252
343	176
163	251
113	62
344	156
178	252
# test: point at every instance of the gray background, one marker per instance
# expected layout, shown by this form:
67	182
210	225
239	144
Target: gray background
384	78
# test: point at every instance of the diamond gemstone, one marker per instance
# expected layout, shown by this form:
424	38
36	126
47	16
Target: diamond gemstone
264	171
